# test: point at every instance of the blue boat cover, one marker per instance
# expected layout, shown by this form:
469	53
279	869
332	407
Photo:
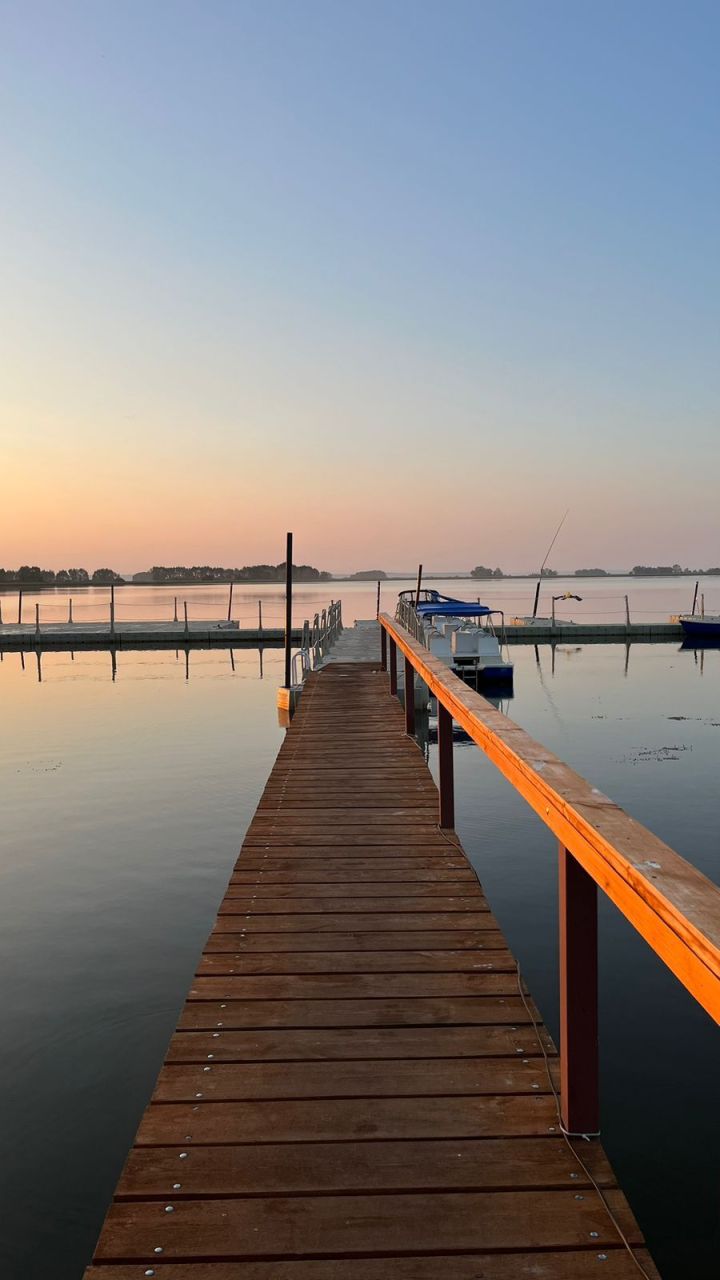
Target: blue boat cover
448	607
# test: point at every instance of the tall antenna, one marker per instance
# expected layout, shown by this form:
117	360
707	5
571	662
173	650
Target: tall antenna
542	566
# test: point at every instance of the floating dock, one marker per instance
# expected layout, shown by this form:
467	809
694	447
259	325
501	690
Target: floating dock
135	635
592	632
357	1088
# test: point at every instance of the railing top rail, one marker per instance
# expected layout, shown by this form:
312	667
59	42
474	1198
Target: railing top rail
669	902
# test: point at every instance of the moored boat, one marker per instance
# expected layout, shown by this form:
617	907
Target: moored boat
460	633
699	626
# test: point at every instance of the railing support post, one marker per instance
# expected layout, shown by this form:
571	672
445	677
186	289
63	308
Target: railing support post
409	699
383	649
579	1076
445	767
393	666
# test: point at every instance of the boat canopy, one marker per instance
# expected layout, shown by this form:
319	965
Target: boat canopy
448	607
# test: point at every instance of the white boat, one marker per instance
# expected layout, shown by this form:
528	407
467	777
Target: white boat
452	631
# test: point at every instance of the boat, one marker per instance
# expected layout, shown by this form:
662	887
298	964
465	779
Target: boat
698	626
460	633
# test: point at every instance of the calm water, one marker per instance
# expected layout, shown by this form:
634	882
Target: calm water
603	599
123	806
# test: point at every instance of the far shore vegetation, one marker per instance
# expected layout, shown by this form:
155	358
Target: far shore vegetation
33	576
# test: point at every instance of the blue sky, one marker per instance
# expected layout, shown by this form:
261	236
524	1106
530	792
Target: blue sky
410	277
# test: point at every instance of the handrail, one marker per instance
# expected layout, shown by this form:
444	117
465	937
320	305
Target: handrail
669	902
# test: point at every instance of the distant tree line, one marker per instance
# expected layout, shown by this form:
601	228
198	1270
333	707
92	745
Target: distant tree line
368	575
214	573
33	575
667	571
481	571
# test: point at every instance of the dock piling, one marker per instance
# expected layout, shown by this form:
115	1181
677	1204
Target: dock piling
229	617
37	619
627	611
579	1072
409	699
288	607
19	607
186	617
445	767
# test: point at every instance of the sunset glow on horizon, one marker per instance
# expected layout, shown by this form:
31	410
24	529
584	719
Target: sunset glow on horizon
408	280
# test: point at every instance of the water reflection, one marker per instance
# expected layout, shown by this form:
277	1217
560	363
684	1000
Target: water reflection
124	804
110	658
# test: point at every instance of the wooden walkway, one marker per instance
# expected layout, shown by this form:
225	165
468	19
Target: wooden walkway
356	1090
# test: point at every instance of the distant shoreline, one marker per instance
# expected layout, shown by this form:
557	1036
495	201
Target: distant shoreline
366	582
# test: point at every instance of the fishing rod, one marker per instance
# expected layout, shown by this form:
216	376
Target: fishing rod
542	566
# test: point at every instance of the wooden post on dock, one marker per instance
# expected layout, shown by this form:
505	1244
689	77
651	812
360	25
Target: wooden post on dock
288	608
175	617
229	617
393	666
70	617
702	604
419	583
37	619
383	649
553	613
579	1075
409	699
445	768
377	607
19	606
627	612
112	609
695	595
186	617
259	615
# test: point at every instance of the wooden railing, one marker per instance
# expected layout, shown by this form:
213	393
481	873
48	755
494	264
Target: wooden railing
671	905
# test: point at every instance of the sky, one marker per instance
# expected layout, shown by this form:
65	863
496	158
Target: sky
407	278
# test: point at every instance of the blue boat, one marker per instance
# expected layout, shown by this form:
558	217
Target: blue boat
698	627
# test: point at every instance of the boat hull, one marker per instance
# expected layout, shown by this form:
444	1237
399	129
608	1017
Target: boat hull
701	628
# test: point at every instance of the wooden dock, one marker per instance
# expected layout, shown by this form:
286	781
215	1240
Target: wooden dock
356	1089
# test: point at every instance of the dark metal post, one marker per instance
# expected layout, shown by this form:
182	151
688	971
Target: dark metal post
288	607
409	698
229	617
112	608
445	765
377	607
19	607
393	666
417	590
579	1076
383	649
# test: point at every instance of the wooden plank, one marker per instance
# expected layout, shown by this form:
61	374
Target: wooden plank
432	1077
263	891
418	1012
257	906
372	921
352	986
317	1225
227	939
338	962
617	1264
302	1168
362	1043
